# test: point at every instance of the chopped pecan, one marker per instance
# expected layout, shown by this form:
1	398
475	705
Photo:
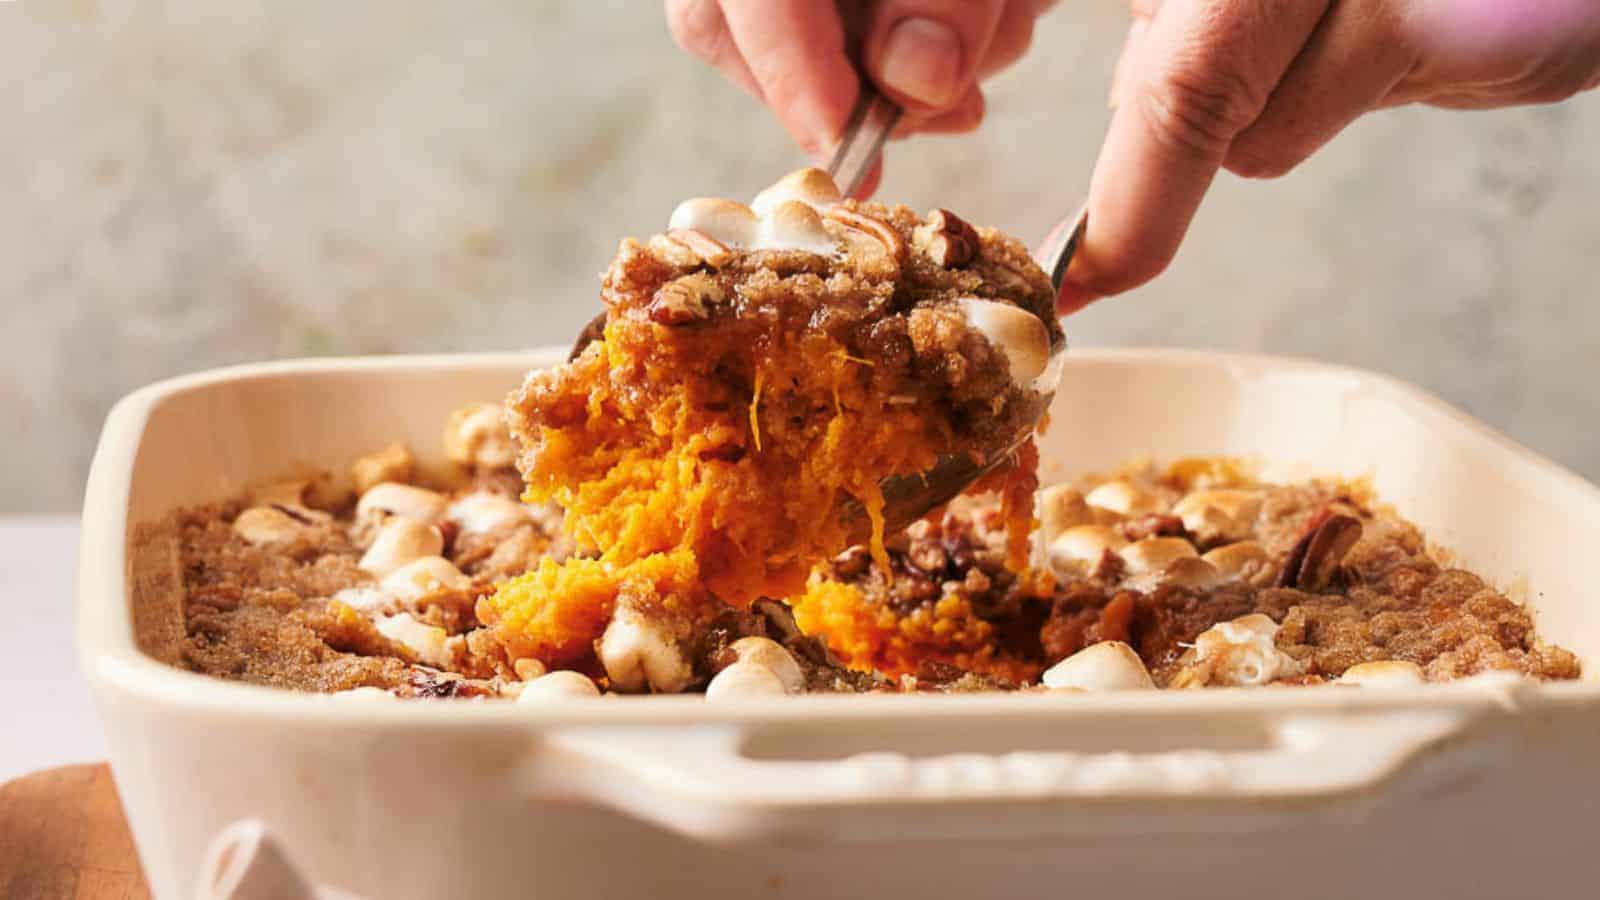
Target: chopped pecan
1316	556
1109	567
947	239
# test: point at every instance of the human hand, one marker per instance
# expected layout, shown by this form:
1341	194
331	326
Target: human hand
1257	87
794	55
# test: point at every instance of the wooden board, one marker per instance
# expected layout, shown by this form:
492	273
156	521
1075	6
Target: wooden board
63	837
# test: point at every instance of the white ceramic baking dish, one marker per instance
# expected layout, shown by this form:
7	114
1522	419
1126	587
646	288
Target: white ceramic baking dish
1485	788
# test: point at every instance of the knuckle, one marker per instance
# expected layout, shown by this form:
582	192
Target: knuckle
1201	114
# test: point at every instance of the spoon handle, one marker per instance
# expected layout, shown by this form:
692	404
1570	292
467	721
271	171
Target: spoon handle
1056	254
871	123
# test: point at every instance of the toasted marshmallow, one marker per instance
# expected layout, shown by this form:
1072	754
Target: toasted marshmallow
1155	554
1015	332
1106	666
1243	559
1389	673
1083	545
477	436
363	597
812	187
1062	507
421	577
639	654
392	463
365	693
483	512
744	680
426	641
528	668
1244	652
264	526
400	540
793	225
559	685
721	220
394	499
1219	515
762	651
1191	572
1123	498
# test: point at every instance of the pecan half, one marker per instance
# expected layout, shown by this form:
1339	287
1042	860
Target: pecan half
947	239
689	299
714	252
1316	556
879	229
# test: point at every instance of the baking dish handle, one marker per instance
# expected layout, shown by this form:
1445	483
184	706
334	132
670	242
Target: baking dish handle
701	783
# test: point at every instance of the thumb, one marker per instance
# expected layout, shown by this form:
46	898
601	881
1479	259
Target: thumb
925	53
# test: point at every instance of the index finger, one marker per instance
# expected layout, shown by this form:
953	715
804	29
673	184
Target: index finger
796	51
1203	73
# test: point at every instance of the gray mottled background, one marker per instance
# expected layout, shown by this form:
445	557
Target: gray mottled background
186	184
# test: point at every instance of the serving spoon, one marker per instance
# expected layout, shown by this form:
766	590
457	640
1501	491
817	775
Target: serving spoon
907	498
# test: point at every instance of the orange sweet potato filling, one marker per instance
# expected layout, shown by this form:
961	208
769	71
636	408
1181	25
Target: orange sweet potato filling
869	636
701	473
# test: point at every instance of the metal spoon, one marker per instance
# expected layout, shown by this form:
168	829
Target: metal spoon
908	498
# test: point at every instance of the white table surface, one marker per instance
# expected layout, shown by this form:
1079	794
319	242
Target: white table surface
47	720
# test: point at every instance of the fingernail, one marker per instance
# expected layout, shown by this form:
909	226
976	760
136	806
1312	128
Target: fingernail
922	59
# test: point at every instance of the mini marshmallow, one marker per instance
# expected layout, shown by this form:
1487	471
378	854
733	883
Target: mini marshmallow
1061	507
1015	332
1123	498
1084	545
1219	515
400	540
762	651
1244	652
426	641
792	225
264	526
744	680
421	577
1389	673
395	499
1106	666
363	597
528	668
1192	572
721	220
477	436
638	654
1155	554
366	693
1243	559
483	512
559	685
812	187
392	463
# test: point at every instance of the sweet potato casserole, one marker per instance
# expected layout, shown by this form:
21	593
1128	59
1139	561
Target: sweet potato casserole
694	502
